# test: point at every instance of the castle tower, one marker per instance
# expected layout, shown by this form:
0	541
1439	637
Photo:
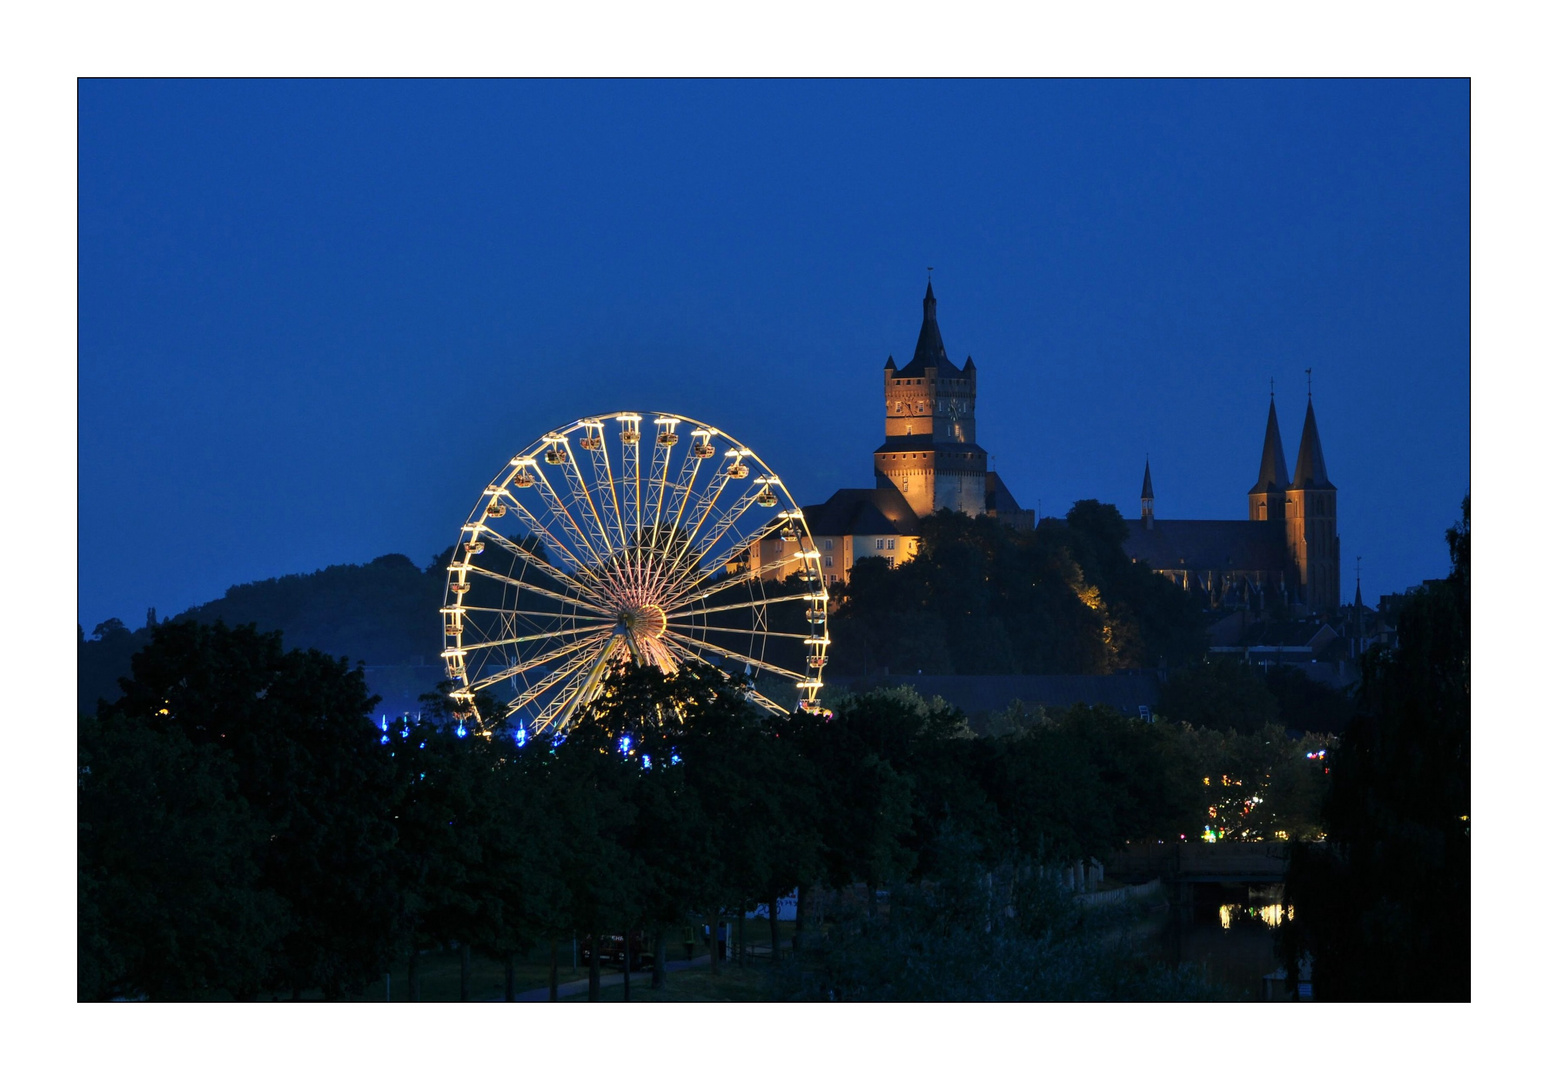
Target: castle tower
930	453
1147	499
1266	498
1311	521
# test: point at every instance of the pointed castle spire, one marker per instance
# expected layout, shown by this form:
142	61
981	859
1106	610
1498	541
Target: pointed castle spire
930	351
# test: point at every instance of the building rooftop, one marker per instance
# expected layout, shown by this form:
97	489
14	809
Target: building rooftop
862	512
1208	545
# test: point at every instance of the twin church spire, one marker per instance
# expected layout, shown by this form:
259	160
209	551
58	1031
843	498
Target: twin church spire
1304	502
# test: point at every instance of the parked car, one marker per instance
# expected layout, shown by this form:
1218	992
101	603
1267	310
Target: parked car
610	947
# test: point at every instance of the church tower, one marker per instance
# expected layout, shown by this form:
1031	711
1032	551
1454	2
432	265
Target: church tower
1311	521
930	453
1266	498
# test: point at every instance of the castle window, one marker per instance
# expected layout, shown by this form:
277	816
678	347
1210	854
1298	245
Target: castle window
905	483
890	562
827	545
779	545
891	543
827	560
878	543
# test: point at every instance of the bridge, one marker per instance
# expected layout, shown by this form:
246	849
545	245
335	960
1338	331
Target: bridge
1196	863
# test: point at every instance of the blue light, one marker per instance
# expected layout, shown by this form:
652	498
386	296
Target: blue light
461	731
521	736
384	721
558	740
421	746
675	759
646	759
385	740
623	744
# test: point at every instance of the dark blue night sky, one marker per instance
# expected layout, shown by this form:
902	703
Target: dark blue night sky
316	317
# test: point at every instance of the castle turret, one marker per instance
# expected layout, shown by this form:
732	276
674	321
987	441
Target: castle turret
930	453
1266	498
1311	521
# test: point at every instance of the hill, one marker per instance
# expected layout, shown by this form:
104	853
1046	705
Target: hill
382	614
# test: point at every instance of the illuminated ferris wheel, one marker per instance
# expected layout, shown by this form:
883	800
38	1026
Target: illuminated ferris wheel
632	538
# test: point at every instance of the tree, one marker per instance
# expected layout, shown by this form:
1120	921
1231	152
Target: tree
169	902
309	763
1383	908
1220	695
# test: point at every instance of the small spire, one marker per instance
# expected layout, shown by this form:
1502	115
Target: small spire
1147	498
889	364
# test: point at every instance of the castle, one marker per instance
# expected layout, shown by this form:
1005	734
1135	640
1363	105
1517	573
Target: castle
1286	551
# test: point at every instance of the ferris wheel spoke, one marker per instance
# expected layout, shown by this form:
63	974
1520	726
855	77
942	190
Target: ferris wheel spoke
687	476
759	699
540	591
668	541
607	490
597	638
532	559
682	611
731	654
580	494
704	508
560	512
725	524
554	546
630	439
525	638
660	465
569	675
693	554
686	595
559	711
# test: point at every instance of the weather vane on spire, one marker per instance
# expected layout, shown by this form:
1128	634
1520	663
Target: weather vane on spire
1308	384
1271	388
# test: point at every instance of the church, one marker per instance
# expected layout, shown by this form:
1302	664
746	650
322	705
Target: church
1283	554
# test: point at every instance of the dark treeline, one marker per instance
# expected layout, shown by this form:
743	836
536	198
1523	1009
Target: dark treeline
981	599
1383	908
245	830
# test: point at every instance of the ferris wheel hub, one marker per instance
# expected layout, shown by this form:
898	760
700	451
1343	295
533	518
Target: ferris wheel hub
646	621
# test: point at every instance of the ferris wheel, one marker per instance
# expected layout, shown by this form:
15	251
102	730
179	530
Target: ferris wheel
642	538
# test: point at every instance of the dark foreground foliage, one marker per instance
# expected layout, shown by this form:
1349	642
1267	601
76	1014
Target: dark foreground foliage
1383	908
976	935
246	830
